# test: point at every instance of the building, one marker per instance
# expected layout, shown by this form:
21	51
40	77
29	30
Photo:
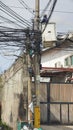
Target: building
13	93
57	62
59	58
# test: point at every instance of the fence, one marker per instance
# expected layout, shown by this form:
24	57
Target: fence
56	101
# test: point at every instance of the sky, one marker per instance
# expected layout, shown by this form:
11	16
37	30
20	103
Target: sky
62	16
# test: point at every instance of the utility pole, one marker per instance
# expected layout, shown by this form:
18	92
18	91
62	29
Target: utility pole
36	20
29	75
37	69
33	50
37	56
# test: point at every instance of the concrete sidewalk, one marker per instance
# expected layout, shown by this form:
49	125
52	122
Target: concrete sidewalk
56	127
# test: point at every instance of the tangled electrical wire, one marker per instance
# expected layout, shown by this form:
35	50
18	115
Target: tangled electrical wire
49	13
28	40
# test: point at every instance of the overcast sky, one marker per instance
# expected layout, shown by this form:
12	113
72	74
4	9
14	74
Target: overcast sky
62	16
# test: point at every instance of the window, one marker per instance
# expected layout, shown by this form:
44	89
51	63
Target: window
71	59
66	62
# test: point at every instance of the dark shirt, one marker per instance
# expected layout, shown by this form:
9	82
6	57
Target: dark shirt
44	20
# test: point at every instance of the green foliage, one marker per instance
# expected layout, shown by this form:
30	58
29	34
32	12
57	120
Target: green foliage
4	126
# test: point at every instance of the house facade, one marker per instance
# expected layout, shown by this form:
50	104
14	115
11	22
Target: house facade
58	56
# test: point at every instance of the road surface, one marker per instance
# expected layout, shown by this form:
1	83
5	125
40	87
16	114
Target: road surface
56	127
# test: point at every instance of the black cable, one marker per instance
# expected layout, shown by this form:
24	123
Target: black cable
10	21
11	43
4	27
12	11
41	10
12	30
25	6
14	14
12	17
53	6
45	8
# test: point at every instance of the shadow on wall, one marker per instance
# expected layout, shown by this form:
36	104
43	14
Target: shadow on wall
0	111
21	110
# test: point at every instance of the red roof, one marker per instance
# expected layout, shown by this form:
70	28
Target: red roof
51	71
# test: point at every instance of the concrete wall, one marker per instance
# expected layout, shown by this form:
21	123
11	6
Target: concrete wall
14	83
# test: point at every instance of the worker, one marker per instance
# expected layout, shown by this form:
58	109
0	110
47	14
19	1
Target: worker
45	19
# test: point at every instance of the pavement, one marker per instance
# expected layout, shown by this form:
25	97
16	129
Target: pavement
56	127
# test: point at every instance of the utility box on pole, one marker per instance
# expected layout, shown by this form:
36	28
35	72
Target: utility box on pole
49	35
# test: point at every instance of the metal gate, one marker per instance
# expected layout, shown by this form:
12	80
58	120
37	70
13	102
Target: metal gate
57	103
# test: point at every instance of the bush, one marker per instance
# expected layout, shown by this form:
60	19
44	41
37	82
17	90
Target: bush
3	126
